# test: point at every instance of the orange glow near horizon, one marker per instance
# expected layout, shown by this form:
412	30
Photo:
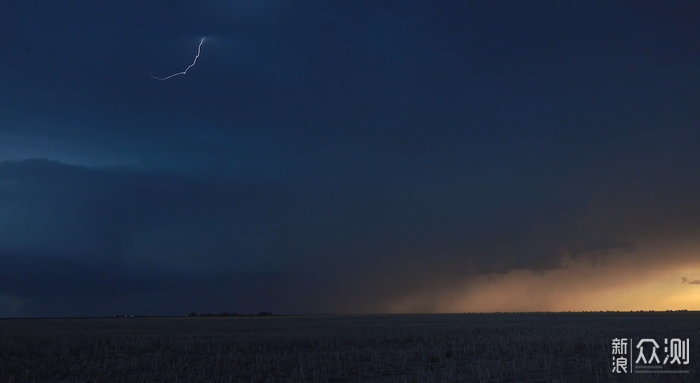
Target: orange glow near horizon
648	279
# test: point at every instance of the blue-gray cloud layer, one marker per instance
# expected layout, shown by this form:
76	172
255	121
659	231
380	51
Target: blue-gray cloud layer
331	157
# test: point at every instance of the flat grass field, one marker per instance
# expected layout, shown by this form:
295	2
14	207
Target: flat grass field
538	347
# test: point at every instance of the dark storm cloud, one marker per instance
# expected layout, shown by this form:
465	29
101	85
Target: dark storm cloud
334	157
115	231
60	284
124	239
94	209
110	238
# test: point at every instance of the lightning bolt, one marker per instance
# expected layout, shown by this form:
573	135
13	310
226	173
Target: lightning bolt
184	72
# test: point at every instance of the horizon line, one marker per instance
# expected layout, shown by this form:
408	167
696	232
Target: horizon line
233	315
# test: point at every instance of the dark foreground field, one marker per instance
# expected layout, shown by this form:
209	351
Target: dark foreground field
401	348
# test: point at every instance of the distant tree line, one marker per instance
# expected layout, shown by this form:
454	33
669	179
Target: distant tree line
226	314
128	316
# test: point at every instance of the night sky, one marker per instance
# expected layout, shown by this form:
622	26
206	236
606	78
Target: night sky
348	156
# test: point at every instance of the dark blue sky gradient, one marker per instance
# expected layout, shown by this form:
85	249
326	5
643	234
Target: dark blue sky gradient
332	156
